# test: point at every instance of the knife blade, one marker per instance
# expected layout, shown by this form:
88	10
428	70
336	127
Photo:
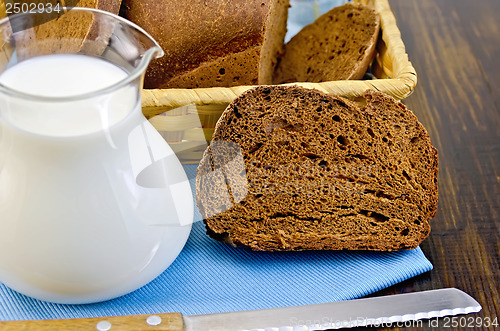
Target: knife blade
335	315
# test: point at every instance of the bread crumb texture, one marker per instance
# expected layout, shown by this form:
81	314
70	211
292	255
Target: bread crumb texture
322	172
339	45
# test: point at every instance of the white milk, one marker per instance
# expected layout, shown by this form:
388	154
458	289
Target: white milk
75	225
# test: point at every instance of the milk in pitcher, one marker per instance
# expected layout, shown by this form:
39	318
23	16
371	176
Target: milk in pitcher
75	225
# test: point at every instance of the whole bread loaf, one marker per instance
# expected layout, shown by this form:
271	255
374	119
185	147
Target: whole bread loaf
320	171
211	43
339	45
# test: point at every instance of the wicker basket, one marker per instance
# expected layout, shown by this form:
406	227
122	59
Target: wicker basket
186	117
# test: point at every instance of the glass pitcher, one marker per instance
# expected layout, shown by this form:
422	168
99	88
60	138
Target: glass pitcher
93	202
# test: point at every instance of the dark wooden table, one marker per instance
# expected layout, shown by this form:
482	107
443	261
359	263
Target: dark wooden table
454	46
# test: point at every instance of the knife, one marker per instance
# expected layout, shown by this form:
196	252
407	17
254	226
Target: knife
335	315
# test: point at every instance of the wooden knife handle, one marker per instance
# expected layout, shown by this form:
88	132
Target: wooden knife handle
167	321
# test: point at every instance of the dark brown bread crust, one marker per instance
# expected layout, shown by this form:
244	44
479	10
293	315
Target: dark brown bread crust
339	45
323	173
218	36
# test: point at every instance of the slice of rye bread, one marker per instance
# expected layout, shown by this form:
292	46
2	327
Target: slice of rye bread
339	45
322	172
71	32
211	43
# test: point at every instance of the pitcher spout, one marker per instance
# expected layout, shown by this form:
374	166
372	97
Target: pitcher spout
131	45
93	32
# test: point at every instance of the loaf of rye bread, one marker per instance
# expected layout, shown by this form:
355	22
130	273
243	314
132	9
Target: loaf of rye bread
318	172
339	45
211	43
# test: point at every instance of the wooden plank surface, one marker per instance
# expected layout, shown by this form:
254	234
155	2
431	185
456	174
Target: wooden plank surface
454	46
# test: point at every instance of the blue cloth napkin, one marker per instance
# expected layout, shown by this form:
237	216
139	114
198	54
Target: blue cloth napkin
209	277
